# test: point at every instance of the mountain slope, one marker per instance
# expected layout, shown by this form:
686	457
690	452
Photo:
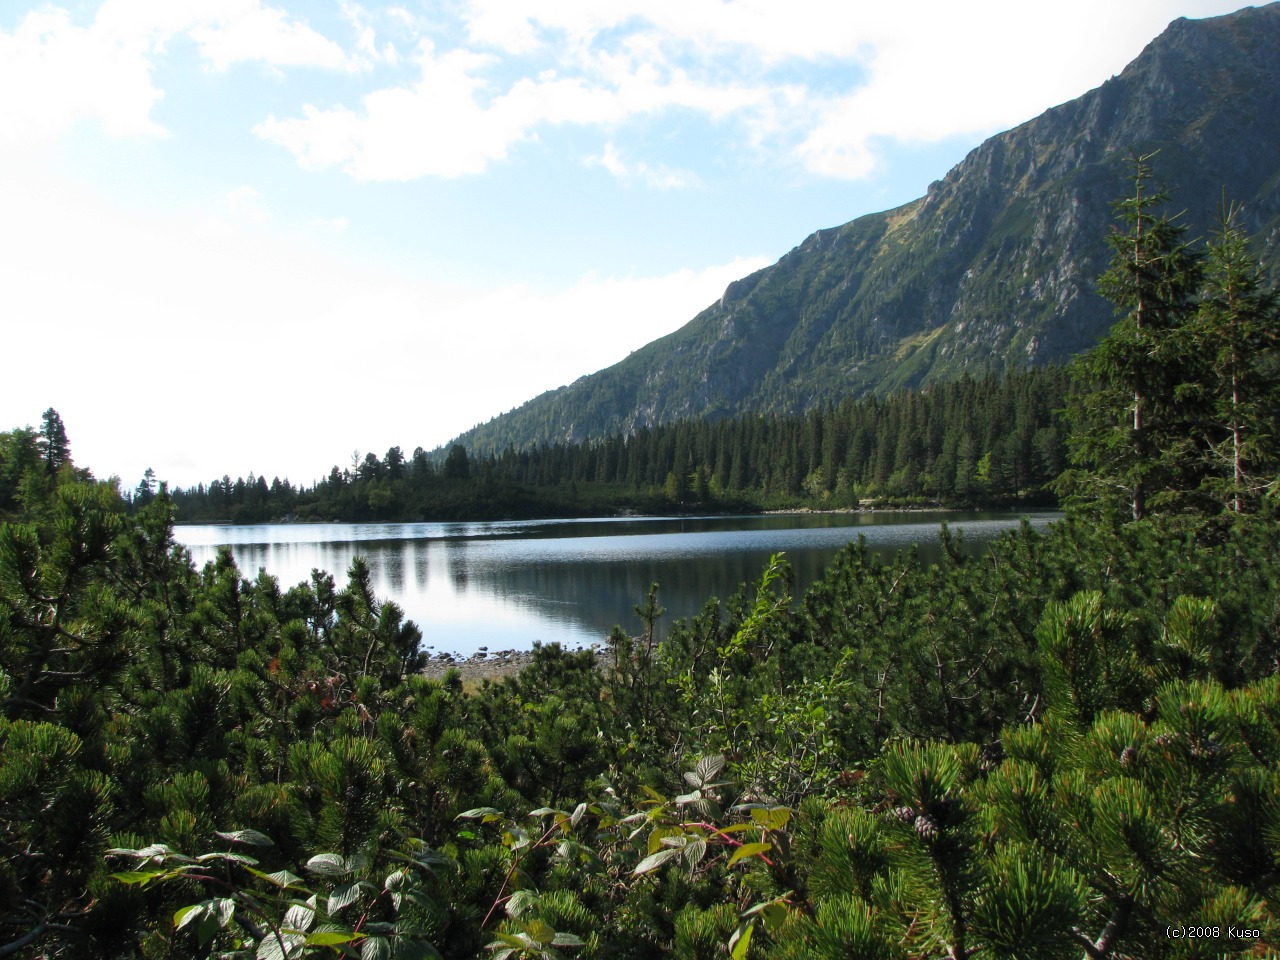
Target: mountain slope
995	267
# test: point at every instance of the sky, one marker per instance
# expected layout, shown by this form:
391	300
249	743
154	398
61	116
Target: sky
250	236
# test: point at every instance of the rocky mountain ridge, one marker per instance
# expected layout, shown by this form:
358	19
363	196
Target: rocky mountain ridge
994	267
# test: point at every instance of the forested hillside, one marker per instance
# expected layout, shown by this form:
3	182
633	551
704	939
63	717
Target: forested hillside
966	443
1068	746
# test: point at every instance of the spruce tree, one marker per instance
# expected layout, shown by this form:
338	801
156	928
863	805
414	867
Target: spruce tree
1130	438
1237	331
55	449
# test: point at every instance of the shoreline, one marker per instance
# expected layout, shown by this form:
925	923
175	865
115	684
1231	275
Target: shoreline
869	507
485	665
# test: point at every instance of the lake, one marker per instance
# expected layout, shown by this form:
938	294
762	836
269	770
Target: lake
504	585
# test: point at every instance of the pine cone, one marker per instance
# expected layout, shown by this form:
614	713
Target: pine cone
1203	748
926	828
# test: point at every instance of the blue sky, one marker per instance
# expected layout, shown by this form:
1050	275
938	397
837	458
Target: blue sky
246	235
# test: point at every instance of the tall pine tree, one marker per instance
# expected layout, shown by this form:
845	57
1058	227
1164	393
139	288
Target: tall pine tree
55	449
1130	444
1237	330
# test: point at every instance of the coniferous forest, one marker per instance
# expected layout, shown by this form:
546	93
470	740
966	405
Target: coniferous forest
994	441
1069	746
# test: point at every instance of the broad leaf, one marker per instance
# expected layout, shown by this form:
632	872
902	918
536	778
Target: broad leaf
749	850
694	851
541	931
342	897
771	818
300	916
520	901
328	864
155	850
708	767
655	860
333	938
281	878
142	877
189	914
251	837
228	858
284	947
483	814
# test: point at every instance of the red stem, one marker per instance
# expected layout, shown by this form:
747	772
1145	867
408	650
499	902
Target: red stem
515	864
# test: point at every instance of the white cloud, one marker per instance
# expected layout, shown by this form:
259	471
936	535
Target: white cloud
255	33
771	30
453	123
226	32
246	205
551	338
501	25
433	129
362	22
823	85
975	70
611	161
248	350
918	71
54	72
660	177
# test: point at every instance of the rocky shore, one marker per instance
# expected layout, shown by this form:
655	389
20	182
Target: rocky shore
486	665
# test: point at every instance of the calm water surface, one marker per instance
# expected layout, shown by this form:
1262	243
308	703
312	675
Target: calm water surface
505	585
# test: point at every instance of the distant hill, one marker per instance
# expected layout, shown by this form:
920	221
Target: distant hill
995	267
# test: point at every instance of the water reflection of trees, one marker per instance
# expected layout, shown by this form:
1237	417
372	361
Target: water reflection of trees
598	594
567	593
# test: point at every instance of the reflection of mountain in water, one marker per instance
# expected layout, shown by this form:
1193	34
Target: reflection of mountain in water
571	582
599	594
597	583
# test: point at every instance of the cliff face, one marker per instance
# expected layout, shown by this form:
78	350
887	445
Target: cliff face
995	267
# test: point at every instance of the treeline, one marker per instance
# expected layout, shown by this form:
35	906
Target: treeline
30	461
997	440
963	441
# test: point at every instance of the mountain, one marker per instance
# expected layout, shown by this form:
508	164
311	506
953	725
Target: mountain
995	267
